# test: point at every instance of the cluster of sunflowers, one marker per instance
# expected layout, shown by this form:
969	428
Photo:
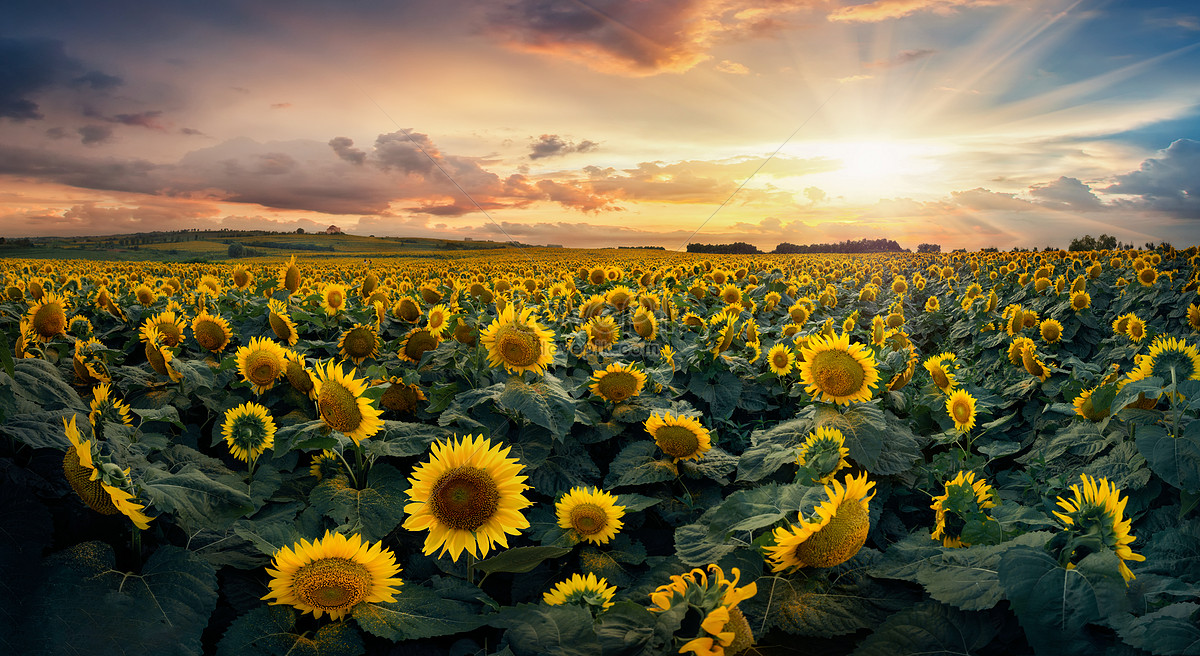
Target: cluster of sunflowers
363	349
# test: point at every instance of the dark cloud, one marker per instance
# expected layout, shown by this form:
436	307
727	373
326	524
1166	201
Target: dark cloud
344	147
140	119
410	152
93	135
552	145
98	81
89	173
1066	194
1168	183
192	132
29	67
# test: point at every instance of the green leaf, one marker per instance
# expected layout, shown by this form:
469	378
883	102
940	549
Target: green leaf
695	546
635	502
307	436
772	449
1054	604
168	415
636	465
420	612
1175	459
400	439
38	385
374	511
1172	630
519	559
88	606
197	498
539	630
271	631
43	429
930	628
864	428
545	403
630	629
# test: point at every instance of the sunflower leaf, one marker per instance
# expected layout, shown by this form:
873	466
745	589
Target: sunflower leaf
772	449
196	497
930	628
1175	459
418	612
545	403
551	630
271	631
374	510
636	465
519	559
1172	630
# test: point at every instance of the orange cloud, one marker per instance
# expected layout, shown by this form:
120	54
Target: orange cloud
881	10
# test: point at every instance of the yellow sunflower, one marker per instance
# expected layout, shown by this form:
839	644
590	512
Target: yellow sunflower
281	322
437	320
723	628
1170	358
1051	330
106	407
80	327
1033	364
1121	323
1135	329
342	405
586	591
170	327
333	575
416	343
823	453
359	343
1097	509
963	498
1080	301
289	277
961	408
781	359
242	277
1085	408
836	371
325	465
617	383
941	371
333	298
469	495
100	490
518	342
679	437
833	534
48	318
249	430
159	356
602	333
261	363
88	361
400	397
1193	316
591	514
298	375
211	331
645	324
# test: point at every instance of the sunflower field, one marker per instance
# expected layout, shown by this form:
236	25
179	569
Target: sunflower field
602	452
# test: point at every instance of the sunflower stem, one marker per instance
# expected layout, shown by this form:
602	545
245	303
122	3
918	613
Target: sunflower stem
349	469
470	568
136	543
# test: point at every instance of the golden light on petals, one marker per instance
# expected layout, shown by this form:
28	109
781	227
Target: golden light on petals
836	371
333	575
592	514
680	437
834	532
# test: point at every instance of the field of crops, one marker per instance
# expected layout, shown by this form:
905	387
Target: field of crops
618	452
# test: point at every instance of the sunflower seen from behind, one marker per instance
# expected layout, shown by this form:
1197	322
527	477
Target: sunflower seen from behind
249	431
617	383
836	371
719	628
469	496
1170	359
341	403
1096	510
832	534
822	455
964	499
333	575
590	514
105	407
518	342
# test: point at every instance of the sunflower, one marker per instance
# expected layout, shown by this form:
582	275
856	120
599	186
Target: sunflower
932	304
437	320
588	592
1097	510
289	276
400	397
281	322
407	310
159	356
1051	330
100	489
941	371
1147	276
261	363
644	324
1033	364
88	361
679	437
1135	329
961	408
325	465
468	495
591	514
249	430
1193	316
834	371
359	343
342	405
723	628
602	333
1080	301
242	277
49	317
1086	409
833	534
105	302
781	359
80	327
105	407
1121	323
1016	348
211	331
823	453
617	383
333	298
333	575
518	342
1170	359
298	374
209	285
963	498
170	327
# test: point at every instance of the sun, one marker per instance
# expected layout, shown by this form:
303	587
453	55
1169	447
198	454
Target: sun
869	169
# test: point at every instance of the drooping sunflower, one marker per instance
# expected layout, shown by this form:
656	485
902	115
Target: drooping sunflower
211	331
1097	509
88	361
406	309
823	453
159	356
1169	358
105	302
342	405
333	575
962	499
518	342
358	343
1033	364
242	277
170	327
836	371
48	318
834	532
602	333
591	514
100	490
1085	408
961	408
645	324
416	343
289	277
469	495
261	363
588	592
281	322
249	430
400	397
941	371
106	407
298	374
723	629
617	383
680	437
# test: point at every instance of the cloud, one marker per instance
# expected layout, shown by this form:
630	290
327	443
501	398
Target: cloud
30	67
901	58
815	194
1167	183
98	81
551	145
881	10
732	67
93	135
344	147
986	199
1066	194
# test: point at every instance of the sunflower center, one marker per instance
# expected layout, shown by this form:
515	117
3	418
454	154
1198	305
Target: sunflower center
839	540
617	385
677	441
780	359
464	498
588	519
339	407
1050	332
291	279
262	368
837	373
418	343
962	411
241	278
80	478
50	320
940	378
359	343
209	334
409	310
335	298
170	332
399	398
281	327
1137	330
332	583
518	345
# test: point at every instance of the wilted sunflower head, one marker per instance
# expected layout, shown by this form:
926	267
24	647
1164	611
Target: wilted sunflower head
88	361
249	430
680	437
592	514
834	532
333	575
617	383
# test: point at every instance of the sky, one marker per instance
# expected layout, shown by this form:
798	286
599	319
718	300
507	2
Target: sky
600	123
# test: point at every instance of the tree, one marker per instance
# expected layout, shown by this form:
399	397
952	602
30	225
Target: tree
299	231
236	249
929	248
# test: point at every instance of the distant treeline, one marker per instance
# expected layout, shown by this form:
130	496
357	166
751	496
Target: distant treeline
291	246
848	246
645	248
